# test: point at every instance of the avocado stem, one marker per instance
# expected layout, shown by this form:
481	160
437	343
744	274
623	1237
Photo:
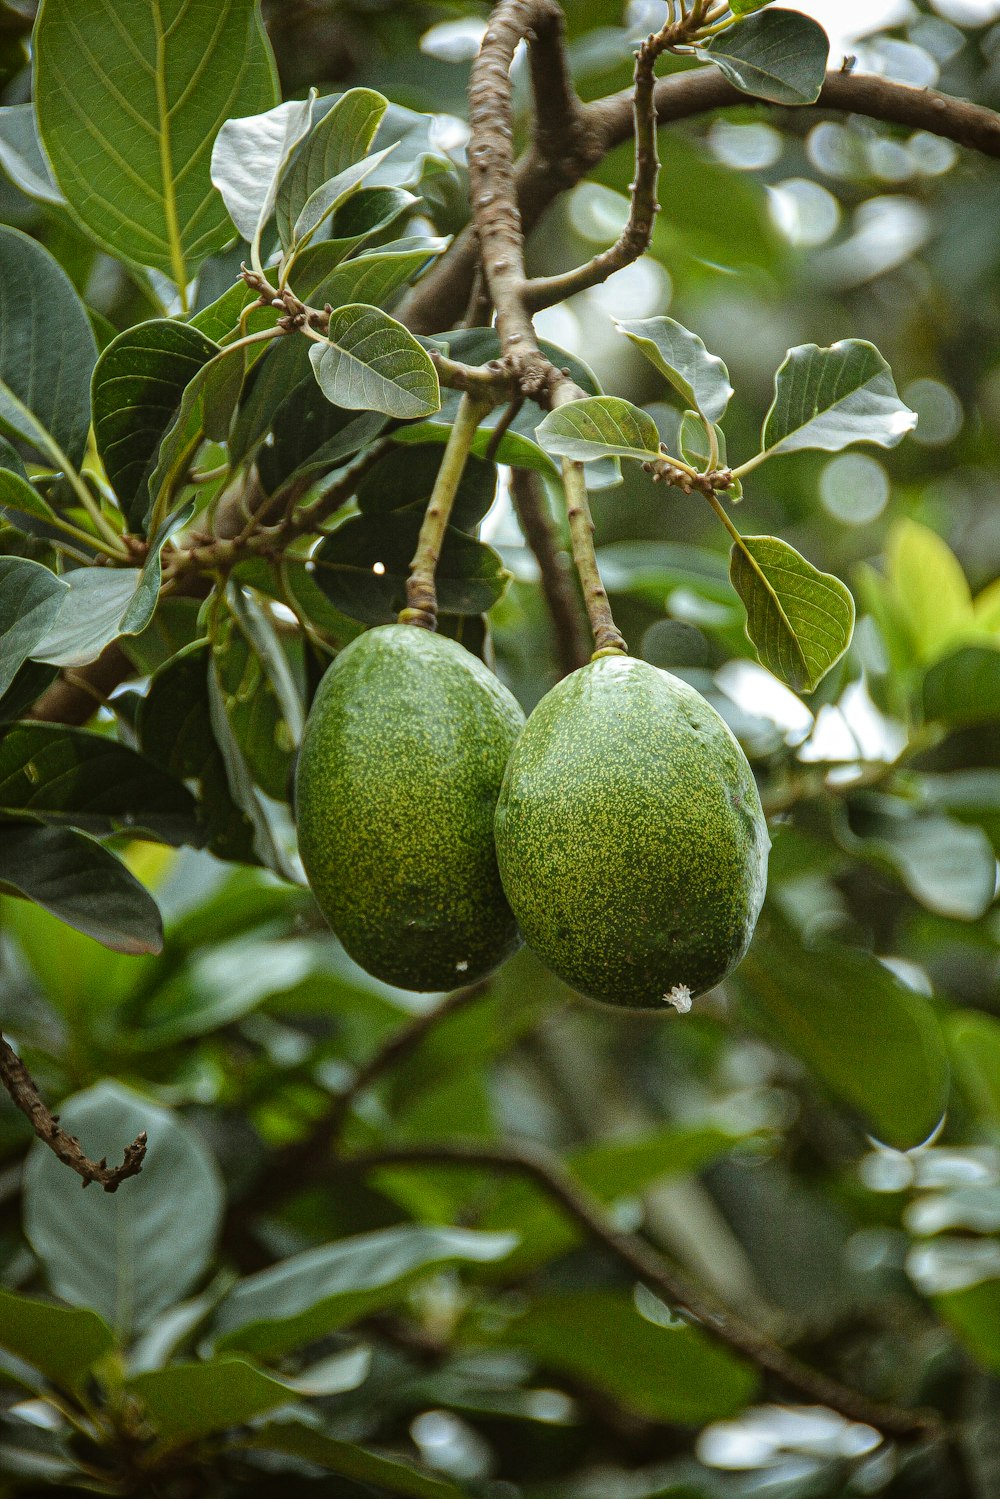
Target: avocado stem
421	593
608	640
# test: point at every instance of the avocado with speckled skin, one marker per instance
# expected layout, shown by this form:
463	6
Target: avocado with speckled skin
396	785
630	837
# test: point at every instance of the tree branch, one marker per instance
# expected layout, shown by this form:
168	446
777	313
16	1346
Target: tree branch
558	587
549	1173
24	1092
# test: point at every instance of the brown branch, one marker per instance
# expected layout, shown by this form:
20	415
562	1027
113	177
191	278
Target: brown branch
75	696
24	1092
558	589
549	1173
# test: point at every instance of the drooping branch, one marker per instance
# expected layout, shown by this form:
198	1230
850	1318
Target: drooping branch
549	1173
24	1092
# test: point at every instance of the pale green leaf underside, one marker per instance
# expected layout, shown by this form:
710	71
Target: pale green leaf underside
129	102
800	620
778	54
700	377
249	157
829	398
337	141
599	427
369	362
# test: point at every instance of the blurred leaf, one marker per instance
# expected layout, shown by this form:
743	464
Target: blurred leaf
929	589
78	880
829	398
187	1401
220	985
780	55
129	1263
22	157
599	427
336	142
369	362
47	353
64	775
974	1314
974	1044
800	620
672	1374
700	377
314	1293
964	687
363	565
63	1343
947	866
100	81
873	1042
30	600
387	1475
138	384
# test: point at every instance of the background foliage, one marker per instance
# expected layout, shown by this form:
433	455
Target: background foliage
817	1143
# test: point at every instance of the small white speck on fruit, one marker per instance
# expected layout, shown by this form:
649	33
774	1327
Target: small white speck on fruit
680	998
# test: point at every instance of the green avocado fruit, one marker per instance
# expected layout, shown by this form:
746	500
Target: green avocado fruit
630	837
396	785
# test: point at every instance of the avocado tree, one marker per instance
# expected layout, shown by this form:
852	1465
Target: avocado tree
603	1103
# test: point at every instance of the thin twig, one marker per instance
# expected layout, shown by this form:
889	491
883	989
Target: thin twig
555	573
24	1092
608	639
681	1291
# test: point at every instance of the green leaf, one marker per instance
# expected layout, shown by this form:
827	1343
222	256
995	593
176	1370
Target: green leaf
746	7
779	55
365	213
249	156
695	449
370	278
137	387
175	731
363	565
22	498
64	775
74	877
700	377
666	1373
405	476
338	141
220	985
314	1293
261	699
222	316
47	352
974	1044
384	1475
599	427
948	867
369	362
829	398
22	157
185	1402
129	1263
800	620
30	600
64	1343
128	110
964	688
331	196
874	1043
929	590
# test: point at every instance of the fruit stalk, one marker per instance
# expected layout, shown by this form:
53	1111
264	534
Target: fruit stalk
421	593
607	637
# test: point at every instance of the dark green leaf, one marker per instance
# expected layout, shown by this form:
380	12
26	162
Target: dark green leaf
47	353
19	498
30	600
222	316
75	878
371	278
187	1401
779	55
406	476
800	620
964	688
385	1475
974	1044
314	1293
363	566
137	387
829	398
599	427
369	362
700	377
64	775
63	1343
336	142
130	1263
261	699
102	82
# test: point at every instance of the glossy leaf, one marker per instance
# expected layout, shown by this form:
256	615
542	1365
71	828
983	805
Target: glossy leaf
187	1401
964	688
698	376
800	620
30	600
829	398
138	384
874	1043
63	1343
163	82
47	353
130	1263
71	776
336	142
369	362
316	1292
599	427
779	55
78	880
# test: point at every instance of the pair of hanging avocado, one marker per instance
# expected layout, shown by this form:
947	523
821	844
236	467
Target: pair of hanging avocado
619	830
